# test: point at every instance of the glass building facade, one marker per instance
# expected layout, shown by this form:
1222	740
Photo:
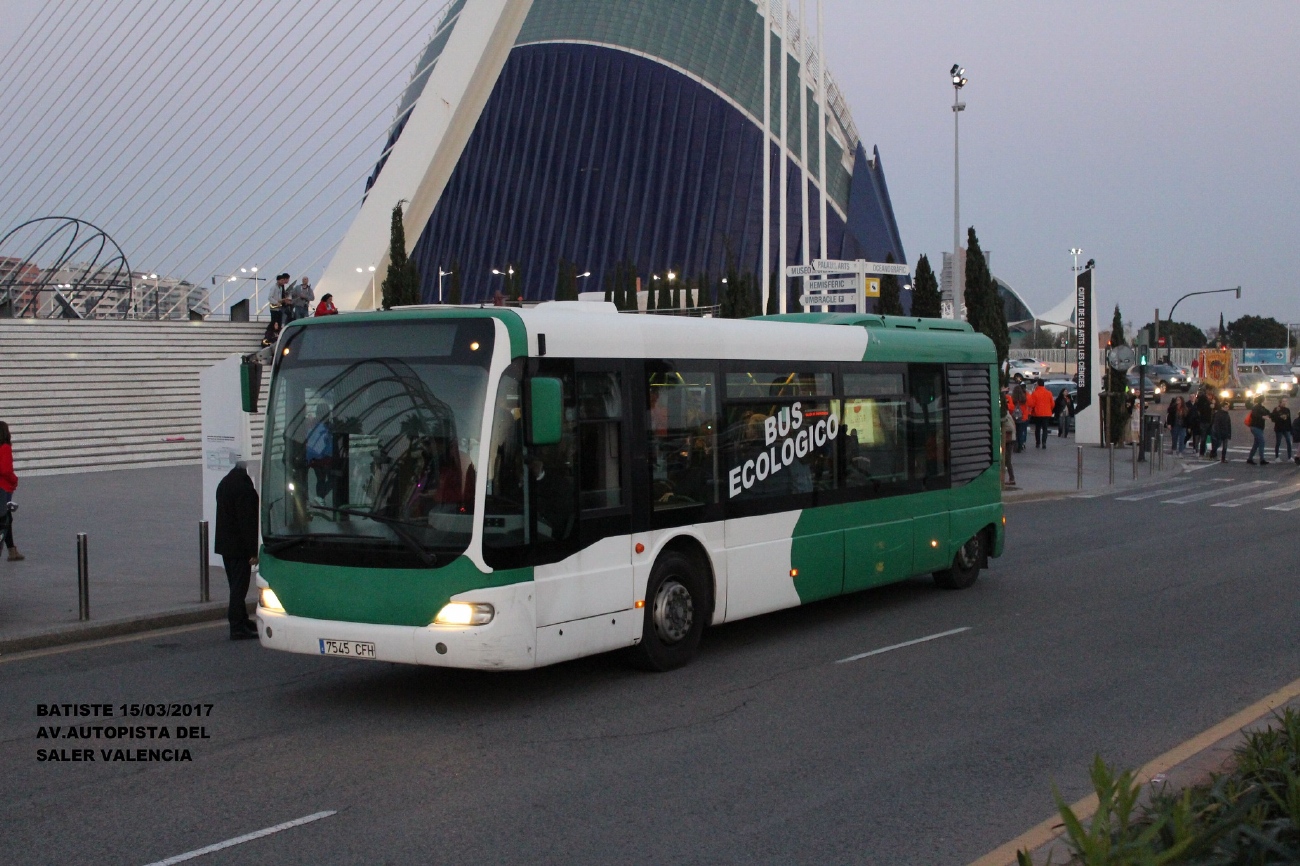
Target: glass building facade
632	130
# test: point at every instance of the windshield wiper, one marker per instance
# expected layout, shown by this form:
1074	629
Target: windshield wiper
284	542
398	527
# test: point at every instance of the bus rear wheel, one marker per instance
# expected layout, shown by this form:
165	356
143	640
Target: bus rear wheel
965	565
675	610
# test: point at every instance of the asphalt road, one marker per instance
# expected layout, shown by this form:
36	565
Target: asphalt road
1109	626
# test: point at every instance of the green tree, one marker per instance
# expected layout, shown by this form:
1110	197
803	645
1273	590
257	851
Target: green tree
677	295
1181	334
401	286
1259	332
665	300
891	297
984	310
453	284
775	287
1221	336
1115	407
926	300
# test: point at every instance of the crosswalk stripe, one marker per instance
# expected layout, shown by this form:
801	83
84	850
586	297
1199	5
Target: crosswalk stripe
1197	497
1259	497
1285	506
1151	494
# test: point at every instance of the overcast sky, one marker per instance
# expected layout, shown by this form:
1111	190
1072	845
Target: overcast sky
1156	136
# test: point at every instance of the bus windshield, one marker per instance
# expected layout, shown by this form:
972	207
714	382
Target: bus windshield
372	432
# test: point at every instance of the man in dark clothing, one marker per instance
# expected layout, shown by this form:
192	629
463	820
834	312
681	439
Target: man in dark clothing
1255	422
236	544
1281	429
1205	413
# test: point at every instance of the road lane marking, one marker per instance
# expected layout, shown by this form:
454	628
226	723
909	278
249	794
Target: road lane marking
1187	468
906	643
247	837
1259	497
1150	494
1197	497
1285	506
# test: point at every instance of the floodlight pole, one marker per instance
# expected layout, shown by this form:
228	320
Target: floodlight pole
958	278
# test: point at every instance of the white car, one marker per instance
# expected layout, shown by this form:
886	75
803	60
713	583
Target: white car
1020	369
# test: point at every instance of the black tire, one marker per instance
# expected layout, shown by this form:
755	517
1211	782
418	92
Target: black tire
965	565
676	609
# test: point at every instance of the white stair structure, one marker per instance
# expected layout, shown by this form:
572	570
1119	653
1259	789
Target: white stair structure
82	396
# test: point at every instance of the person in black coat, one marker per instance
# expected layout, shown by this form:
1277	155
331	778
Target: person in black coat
236	544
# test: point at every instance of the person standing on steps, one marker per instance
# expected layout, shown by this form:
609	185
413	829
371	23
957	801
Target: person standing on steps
1281	429
1221	430
1255	420
8	484
236	544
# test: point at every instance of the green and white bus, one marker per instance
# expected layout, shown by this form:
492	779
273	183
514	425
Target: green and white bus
502	488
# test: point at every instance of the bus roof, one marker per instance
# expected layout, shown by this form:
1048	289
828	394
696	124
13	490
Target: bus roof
585	329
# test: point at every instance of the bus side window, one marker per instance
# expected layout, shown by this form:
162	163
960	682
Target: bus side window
927	423
875	425
600	415
681	422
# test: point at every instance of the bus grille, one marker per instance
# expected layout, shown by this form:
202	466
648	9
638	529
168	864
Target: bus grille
969	421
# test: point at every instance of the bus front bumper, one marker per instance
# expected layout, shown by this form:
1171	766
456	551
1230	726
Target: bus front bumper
506	643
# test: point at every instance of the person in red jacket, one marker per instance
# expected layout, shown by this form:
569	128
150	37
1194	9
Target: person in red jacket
326	306
1041	407
8	484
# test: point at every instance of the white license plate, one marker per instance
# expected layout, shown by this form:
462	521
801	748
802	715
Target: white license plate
355	649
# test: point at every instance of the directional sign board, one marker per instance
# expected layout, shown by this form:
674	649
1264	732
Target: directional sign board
816	300
801	271
842	266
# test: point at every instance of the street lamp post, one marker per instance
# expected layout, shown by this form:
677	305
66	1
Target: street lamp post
958	75
252	275
509	274
157	312
1236	290
441	274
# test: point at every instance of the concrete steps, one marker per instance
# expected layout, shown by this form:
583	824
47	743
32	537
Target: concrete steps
86	395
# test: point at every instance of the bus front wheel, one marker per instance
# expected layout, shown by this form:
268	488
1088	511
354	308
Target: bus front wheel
965	565
675	611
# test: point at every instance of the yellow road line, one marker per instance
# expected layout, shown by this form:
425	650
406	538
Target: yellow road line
1041	834
108	641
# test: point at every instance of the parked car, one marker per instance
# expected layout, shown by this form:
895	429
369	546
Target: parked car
1024	369
1056	386
1267	380
1043	367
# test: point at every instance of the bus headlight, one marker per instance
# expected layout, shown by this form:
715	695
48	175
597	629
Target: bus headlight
464	613
269	600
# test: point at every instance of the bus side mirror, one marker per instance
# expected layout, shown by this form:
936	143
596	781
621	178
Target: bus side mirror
250	384
546	410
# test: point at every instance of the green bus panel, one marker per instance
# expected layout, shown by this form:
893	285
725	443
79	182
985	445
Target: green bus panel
932	546
879	554
821	565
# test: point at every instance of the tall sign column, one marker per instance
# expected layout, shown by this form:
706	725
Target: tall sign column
1087	376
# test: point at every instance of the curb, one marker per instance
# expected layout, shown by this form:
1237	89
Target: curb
1013	497
88	631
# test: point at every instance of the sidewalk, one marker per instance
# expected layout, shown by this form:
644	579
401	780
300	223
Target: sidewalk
143	548
1053	471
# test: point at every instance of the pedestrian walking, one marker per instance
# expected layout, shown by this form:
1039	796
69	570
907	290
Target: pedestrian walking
1041	405
280	303
1192	423
326	306
1008	446
302	295
8	484
1020	414
1176	421
1221	430
1256	419
236	544
1295	434
1205	414
1064	408
1281	417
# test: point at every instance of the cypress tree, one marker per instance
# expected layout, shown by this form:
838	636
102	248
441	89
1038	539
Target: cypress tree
566	281
1116	383
677	296
891	301
650	303
401	281
1117	329
1223	332
773	296
926	300
984	310
665	301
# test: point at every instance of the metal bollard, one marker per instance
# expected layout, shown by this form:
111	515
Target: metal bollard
83	577
1133	446
1078	476
203	561
1111	447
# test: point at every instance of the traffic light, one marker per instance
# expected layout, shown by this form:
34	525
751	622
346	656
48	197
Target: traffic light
1143	355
